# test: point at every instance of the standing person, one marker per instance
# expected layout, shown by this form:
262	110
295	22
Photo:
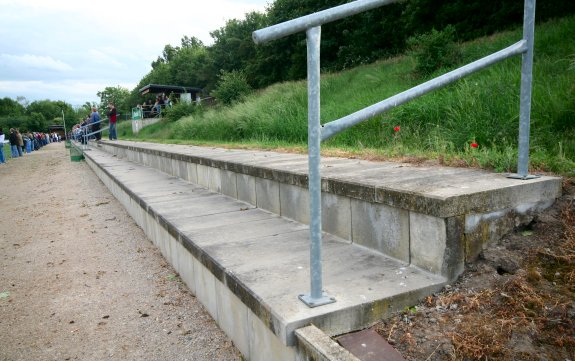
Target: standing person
2	159
20	142
26	143
167	101
95	122
112	116
30	143
13	143
84	130
157	108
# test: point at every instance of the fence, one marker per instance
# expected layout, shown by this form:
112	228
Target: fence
140	112
151	111
311	24
85	132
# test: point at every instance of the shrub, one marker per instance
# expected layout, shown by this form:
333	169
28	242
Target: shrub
434	50
231	87
180	110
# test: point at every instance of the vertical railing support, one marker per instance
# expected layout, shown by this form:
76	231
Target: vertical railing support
316	133
316	296
526	90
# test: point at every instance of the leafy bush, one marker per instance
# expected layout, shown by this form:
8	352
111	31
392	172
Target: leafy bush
434	50
180	110
232	87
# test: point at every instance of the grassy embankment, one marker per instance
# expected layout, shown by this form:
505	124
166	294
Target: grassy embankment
482	109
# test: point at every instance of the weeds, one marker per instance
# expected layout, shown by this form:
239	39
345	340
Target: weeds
523	304
525	316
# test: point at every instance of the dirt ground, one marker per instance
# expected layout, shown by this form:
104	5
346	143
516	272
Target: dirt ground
517	302
80	281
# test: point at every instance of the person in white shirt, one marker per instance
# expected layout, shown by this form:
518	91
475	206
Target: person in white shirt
2	141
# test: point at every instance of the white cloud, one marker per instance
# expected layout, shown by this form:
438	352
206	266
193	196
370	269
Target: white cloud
65	50
33	61
104	58
73	92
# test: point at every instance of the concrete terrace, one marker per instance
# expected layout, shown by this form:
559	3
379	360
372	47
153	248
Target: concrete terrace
233	224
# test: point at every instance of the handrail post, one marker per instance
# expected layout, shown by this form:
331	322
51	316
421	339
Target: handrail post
316	296
526	89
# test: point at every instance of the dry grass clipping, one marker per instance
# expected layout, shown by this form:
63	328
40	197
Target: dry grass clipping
524	304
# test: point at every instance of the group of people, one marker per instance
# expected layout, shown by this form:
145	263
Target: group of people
90	126
28	142
151	110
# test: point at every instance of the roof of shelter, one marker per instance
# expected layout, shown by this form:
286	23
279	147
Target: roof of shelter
157	88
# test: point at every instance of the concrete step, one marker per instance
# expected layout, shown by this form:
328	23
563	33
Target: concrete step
435	218
248	265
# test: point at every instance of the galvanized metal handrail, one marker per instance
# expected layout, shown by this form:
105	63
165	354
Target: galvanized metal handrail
316	133
316	19
87	136
332	128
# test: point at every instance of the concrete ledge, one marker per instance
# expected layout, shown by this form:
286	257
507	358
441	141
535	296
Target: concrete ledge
314	345
232	223
248	266
435	218
138	124
436	191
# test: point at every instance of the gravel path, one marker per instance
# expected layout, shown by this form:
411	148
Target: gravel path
80	281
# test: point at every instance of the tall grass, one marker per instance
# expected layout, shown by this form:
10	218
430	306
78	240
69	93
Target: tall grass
482	109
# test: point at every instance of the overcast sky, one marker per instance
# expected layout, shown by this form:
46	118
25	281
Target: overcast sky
69	50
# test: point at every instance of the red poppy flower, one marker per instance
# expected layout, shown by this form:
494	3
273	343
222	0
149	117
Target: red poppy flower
474	145
397	128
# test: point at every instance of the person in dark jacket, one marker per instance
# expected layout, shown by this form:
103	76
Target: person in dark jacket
13	138
95	123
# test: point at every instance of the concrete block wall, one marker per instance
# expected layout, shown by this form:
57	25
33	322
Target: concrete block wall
437	232
138	124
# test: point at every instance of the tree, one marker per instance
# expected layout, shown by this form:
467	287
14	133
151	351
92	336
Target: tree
234	49
11	107
232	87
22	101
50	110
191	42
117	95
37	122
358	39
188	66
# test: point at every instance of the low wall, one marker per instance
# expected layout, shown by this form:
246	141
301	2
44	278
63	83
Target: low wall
138	124
435	218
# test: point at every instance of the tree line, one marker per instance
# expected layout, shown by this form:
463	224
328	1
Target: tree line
360	39
234	63
38	115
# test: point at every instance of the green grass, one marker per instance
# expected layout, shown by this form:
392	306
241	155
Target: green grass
482	108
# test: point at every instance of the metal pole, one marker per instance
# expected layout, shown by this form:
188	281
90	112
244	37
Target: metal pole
526	86
64	120
334	127
316	297
316	19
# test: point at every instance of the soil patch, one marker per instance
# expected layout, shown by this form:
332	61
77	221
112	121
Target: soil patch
516	302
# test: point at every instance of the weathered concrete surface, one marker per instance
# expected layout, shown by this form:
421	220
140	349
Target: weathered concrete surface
398	232
436	218
263	259
437	191
314	345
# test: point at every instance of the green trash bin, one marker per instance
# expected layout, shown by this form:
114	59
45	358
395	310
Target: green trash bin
68	143
76	154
